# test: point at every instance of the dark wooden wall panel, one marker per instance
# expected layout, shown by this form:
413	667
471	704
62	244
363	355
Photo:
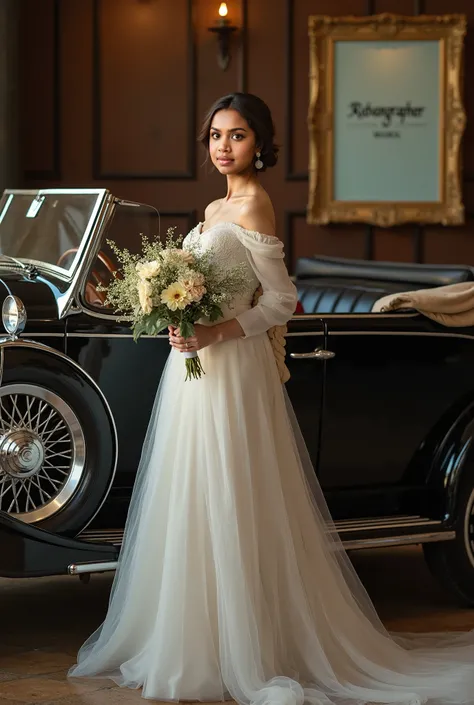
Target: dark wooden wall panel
39	89
125	83
403	7
182	221
143	83
267	31
450	245
394	244
76	92
306	243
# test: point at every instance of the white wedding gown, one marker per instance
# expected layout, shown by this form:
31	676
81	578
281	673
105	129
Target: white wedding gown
232	581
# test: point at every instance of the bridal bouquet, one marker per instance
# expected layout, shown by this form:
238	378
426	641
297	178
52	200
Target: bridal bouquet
166	285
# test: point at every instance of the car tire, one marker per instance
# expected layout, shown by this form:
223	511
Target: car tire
452	562
57	442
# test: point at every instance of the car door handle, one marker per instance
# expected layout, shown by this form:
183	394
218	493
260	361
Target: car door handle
318	354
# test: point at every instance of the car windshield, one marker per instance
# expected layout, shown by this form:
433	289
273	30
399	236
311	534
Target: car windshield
47	226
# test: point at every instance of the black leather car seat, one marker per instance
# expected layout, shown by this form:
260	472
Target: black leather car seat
338	285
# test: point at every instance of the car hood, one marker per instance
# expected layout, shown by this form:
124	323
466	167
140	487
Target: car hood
38	295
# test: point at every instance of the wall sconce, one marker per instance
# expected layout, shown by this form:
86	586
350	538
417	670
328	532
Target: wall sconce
224	31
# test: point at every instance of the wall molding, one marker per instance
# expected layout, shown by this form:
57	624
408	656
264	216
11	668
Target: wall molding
98	172
53	174
290	175
290	215
243	67
191	216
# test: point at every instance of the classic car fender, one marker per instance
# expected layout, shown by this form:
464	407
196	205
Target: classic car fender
26	367
28	551
451	460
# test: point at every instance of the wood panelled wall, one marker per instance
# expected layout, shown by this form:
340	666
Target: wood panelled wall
112	93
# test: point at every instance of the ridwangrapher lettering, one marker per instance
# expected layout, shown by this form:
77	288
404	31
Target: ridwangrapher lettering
387	112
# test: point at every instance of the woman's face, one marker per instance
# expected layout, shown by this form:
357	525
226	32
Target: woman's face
231	143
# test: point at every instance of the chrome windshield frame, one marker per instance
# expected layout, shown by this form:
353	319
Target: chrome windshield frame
89	244
69	272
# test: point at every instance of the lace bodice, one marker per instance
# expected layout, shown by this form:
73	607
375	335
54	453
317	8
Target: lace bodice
229	251
263	255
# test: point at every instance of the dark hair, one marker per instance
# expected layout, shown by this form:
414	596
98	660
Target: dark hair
258	115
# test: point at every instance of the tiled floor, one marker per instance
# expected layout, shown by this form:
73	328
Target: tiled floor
44	621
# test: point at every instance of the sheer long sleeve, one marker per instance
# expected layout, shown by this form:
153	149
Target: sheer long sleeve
278	301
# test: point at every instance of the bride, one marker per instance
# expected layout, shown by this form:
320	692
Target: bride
232	581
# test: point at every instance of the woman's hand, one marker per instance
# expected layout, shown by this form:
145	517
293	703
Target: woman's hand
203	336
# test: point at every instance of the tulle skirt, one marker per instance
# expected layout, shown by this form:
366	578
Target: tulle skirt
232	582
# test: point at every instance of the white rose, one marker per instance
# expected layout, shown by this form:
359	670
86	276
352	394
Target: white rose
144	295
146	270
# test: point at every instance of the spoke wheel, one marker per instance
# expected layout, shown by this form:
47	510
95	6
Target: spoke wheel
42	452
469	529
452	562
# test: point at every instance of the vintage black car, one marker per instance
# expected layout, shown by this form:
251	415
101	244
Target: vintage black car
385	401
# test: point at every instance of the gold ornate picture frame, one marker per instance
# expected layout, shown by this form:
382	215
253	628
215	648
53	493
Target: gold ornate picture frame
386	119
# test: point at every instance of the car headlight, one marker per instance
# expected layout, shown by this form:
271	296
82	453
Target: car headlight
13	315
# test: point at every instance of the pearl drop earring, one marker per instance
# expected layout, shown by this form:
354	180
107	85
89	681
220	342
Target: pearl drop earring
258	163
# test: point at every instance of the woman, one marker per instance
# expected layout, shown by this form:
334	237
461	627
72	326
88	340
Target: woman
232	581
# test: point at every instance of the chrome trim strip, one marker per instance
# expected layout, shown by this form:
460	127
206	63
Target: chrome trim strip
113	536
34	192
97	314
381	520
7	205
299	317
439	334
46	335
388	525
350	545
300	334
408	540
90	335
111	335
7	343
93	567
339	316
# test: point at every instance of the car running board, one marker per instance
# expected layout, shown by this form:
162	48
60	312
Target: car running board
28	551
379	532
355	534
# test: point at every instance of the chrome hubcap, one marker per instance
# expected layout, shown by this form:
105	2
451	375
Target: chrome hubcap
42	452
21	453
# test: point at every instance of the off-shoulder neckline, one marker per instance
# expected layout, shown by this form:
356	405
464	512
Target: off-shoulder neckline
235	225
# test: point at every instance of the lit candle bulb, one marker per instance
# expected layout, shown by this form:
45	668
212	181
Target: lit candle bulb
224	31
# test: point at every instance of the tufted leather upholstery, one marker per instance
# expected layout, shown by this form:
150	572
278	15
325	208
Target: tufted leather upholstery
338	285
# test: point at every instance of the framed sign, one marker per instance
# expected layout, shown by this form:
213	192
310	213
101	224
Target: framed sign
386	119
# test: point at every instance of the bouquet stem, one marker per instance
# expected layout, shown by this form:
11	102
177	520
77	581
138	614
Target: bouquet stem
194	369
